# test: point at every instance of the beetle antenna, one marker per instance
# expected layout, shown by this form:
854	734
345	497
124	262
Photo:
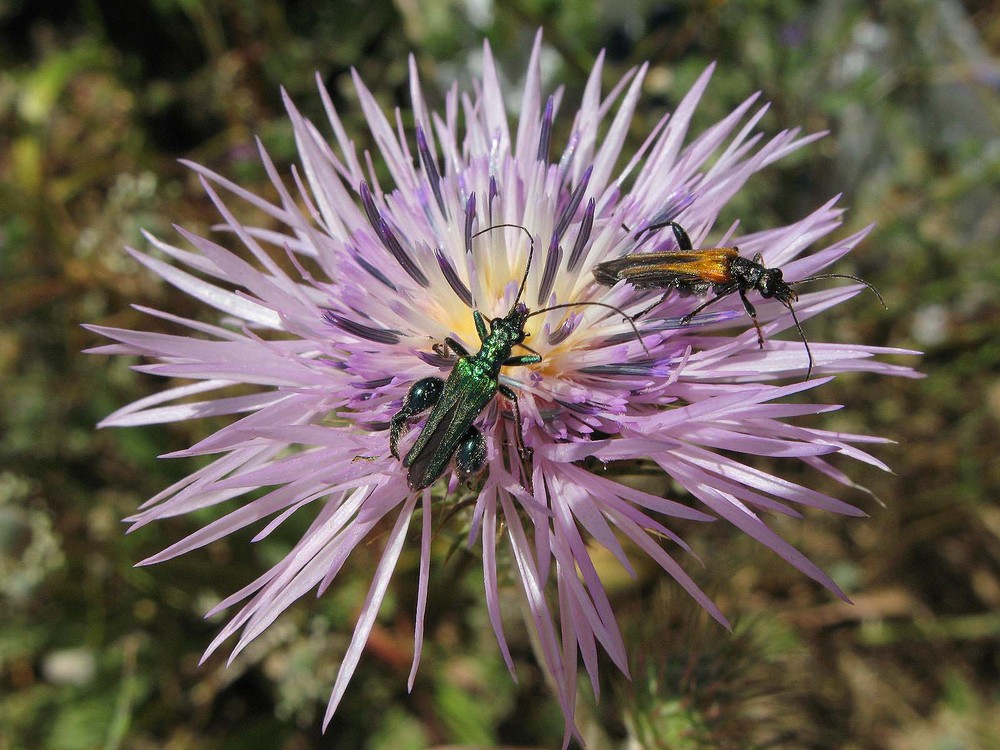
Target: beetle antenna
531	252
841	276
596	304
802	335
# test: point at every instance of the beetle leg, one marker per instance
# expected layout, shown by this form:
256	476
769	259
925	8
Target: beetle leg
752	312
724	292
456	347
422	396
520	360
524	359
470	455
522	449
655	304
683	241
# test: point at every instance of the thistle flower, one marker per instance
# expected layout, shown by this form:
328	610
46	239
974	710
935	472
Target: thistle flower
384	273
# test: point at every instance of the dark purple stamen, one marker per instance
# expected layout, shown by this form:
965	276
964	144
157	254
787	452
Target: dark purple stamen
619	338
545	136
470	218
451	276
641	369
378	335
564	330
401	256
389	241
368	385
494	192
587	408
433	176
574	202
372	270
434	359
586	225
549	274
374	426
368	202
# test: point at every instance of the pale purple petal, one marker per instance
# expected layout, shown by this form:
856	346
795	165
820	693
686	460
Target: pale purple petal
380	584
422	583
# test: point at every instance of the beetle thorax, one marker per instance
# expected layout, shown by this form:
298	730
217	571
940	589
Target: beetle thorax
507	332
748	274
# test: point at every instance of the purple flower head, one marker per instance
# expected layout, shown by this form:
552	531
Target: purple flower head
386	278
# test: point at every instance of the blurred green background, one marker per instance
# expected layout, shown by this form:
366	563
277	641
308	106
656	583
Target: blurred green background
99	99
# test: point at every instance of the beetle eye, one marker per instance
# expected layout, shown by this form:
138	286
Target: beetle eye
771	282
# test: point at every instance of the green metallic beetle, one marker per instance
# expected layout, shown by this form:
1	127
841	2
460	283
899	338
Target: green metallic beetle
472	384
